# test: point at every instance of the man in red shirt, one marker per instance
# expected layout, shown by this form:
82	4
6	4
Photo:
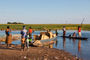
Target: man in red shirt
30	32
79	31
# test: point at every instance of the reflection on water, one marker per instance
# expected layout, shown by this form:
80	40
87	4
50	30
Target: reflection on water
64	42
74	42
79	45
80	48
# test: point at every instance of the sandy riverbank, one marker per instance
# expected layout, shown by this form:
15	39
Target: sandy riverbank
34	53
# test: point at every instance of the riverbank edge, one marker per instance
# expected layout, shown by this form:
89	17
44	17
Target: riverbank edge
40	53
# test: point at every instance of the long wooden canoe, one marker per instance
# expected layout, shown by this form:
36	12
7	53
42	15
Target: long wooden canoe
82	38
44	42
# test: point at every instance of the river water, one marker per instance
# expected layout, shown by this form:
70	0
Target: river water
80	48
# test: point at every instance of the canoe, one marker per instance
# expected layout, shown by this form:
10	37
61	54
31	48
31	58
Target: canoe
82	38
44	42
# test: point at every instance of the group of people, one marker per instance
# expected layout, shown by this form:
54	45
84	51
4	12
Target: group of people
74	34
26	37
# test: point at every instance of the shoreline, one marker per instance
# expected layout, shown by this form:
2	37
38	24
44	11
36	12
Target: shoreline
45	26
34	53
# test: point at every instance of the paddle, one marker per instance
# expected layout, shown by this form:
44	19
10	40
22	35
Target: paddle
82	21
80	25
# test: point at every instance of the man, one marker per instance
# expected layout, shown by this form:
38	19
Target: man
30	32
79	31
24	32
56	32
23	36
64	31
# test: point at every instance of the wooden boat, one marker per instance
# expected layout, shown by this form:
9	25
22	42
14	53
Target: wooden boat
44	42
82	38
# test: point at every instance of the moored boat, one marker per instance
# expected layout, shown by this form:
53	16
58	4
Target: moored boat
82	38
45	41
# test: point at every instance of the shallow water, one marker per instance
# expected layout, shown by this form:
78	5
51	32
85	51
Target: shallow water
80	48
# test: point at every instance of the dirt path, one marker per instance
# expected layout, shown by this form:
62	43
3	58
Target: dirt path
34	53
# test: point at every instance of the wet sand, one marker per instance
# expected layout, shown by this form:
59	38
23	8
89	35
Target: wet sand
34	53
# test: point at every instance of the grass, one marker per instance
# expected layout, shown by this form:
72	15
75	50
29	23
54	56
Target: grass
45	26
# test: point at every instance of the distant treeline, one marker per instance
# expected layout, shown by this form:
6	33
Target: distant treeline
45	26
14	23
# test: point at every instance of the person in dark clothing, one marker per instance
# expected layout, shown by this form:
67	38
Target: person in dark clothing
64	31
8	36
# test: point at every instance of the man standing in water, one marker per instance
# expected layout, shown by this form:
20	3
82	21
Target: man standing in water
23	37
79	31
64	31
8	36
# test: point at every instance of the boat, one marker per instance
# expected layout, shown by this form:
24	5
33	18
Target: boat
70	37
44	42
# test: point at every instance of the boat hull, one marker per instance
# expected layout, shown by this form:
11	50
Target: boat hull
82	38
44	42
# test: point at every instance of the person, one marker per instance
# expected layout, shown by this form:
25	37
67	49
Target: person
8	36
27	41
22	43
30	32
69	35
79	31
47	33
74	34
64	31
24	32
56	32
23	35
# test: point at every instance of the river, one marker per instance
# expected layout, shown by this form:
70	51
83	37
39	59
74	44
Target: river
80	48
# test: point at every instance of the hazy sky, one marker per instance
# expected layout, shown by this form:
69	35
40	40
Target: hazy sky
45	11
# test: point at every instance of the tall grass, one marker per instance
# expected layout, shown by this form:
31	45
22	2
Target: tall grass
44	26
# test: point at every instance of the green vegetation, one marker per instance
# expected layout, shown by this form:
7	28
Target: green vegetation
44	26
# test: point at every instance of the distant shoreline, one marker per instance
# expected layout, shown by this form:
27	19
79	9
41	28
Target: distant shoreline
45	26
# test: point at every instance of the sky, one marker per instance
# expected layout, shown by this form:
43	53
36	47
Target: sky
45	11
